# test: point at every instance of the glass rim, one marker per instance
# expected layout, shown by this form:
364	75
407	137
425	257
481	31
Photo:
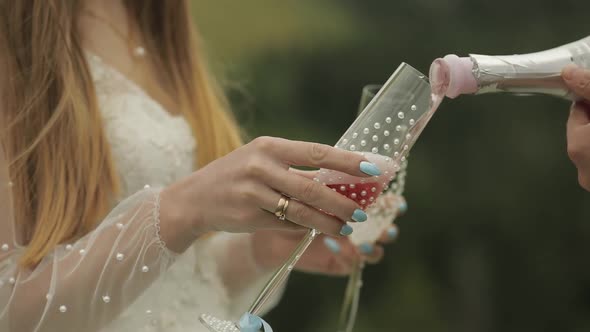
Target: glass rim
373	88
402	67
418	73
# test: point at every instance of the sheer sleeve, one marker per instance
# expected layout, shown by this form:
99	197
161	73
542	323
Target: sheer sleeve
83	285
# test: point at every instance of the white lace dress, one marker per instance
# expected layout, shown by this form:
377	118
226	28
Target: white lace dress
121	277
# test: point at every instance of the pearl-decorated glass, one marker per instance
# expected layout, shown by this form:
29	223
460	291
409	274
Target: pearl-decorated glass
384	133
382	215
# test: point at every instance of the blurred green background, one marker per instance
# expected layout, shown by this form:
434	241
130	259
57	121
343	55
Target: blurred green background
498	232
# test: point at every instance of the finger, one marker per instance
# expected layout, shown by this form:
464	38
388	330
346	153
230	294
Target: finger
305	215
326	257
578	80
344	252
578	132
297	153
372	253
316	195
579	116
389	235
306	174
335	266
350	254
269	221
332	245
584	179
403	206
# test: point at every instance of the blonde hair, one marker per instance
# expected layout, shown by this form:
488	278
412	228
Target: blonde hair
63	175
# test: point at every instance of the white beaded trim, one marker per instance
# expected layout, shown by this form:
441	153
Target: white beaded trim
156	216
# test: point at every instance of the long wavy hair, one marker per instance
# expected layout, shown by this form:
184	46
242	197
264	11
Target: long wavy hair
64	179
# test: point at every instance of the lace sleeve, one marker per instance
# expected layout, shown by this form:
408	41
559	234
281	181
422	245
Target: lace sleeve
83	285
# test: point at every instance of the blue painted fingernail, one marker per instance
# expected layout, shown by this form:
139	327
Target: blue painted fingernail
370	168
346	230
392	232
359	215
332	245
366	248
403	207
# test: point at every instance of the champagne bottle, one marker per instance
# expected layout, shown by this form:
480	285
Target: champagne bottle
533	73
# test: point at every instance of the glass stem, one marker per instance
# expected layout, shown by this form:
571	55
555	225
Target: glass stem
351	297
277	280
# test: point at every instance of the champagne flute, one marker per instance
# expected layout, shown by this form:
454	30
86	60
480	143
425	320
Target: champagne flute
384	133
382	215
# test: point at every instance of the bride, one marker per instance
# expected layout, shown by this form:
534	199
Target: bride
106	111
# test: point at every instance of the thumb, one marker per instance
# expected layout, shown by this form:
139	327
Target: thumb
577	79
579	115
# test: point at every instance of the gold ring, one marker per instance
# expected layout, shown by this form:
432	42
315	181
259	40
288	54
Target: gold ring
281	209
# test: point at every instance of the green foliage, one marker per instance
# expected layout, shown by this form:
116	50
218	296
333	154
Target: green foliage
497	233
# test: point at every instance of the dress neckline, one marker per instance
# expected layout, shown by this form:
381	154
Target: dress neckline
131	83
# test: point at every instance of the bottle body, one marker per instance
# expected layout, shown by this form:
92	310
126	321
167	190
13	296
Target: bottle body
533	73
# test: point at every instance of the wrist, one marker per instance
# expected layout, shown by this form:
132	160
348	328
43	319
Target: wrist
179	224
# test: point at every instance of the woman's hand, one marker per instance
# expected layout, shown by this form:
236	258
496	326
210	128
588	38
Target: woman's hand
240	192
578	125
325	255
